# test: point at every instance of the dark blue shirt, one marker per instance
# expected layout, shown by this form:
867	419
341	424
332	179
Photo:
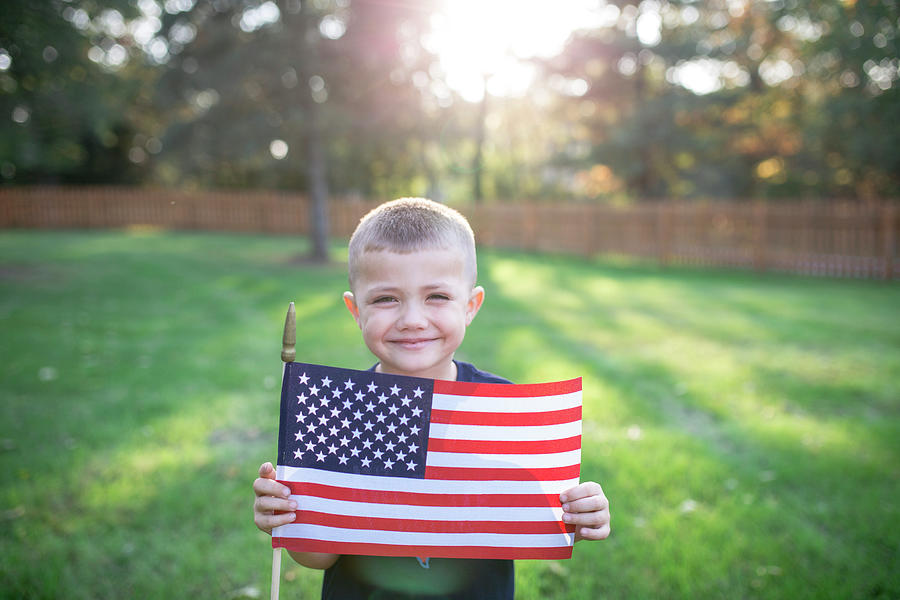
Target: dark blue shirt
403	578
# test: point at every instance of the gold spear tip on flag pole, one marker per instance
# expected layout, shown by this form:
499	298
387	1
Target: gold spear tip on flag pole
289	339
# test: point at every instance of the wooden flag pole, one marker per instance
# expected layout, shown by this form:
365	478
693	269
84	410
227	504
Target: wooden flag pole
288	354
276	572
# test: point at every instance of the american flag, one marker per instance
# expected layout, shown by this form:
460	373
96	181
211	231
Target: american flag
387	465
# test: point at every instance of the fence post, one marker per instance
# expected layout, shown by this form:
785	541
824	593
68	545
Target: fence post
760	214
887	247
530	226
587	231
663	227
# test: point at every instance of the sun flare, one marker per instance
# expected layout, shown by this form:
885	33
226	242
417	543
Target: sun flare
482	45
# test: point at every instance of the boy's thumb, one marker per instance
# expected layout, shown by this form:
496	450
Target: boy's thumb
267	471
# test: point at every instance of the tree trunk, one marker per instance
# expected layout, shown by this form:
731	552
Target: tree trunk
317	178
316	161
646	178
478	161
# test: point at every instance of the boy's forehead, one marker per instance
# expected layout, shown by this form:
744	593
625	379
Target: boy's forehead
386	265
443	258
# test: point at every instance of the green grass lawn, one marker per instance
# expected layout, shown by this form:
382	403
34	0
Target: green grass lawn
746	428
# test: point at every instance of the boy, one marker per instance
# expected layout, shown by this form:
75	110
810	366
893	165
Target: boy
412	273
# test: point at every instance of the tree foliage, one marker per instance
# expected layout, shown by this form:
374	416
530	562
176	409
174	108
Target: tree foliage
658	98
741	99
64	119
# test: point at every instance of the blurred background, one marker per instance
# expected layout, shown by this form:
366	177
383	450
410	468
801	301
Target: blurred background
690	204
462	101
635	116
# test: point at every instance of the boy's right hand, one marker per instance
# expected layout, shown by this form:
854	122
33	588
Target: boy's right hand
271	497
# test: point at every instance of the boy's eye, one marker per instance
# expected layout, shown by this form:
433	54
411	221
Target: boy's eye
438	297
383	299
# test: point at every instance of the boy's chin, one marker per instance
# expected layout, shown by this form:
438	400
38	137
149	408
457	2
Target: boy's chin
418	368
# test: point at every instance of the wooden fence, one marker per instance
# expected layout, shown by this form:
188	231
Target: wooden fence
821	238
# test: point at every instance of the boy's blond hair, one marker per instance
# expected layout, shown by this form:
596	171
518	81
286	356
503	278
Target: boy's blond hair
409	225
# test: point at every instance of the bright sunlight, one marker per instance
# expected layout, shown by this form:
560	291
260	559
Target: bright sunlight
483	45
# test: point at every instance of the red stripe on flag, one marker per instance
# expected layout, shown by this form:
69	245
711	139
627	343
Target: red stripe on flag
496	447
307	545
424	526
420	499
502	390
552	417
474	474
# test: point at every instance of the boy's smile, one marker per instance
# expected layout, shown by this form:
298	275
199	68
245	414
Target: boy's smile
413	309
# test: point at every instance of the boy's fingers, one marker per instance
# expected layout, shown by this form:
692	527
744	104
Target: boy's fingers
589	533
270	487
267	470
597	518
270	504
266	522
587	505
584	490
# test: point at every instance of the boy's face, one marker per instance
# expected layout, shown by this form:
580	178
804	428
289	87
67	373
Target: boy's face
413	309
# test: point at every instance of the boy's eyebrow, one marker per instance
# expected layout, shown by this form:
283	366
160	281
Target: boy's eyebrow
434	286
381	288
392	288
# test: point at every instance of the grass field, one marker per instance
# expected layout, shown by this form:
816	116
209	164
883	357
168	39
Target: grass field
746	428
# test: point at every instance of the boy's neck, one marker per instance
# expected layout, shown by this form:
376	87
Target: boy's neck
449	373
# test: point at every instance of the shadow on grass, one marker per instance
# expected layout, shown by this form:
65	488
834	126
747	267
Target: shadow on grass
141	398
142	395
778	464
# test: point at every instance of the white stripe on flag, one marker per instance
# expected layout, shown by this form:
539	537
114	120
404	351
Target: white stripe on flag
505	434
503	461
407	538
512	405
430	513
422	486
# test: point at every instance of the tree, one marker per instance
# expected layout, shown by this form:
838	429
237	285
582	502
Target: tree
853	72
664	98
738	99
61	94
270	94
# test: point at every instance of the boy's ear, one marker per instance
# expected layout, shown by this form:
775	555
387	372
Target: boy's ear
476	299
350	301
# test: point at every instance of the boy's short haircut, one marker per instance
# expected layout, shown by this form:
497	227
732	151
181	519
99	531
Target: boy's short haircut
409	225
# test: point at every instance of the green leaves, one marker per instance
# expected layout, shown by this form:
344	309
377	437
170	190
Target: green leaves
651	99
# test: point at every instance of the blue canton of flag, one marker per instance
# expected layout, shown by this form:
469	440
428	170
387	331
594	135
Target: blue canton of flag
358	422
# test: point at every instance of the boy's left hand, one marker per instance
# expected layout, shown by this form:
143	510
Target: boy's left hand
586	506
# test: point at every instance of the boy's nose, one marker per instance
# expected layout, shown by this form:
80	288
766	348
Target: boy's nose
412	317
